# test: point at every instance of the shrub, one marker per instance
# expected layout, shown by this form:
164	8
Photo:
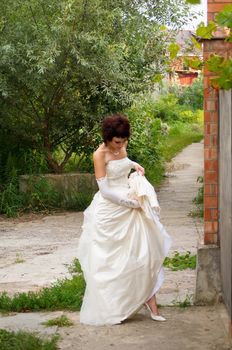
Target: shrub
41	195
190	96
160	129
144	145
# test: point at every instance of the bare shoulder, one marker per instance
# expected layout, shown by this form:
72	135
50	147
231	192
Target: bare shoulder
99	154
99	162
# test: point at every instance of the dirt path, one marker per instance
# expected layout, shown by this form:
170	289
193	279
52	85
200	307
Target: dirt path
175	197
35	251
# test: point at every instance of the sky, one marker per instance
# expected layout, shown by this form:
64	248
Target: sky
200	18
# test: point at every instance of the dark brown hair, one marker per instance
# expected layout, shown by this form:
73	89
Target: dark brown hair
116	125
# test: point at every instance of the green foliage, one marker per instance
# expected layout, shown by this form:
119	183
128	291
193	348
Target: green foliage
223	69
161	128
173	50
166	108
19	259
190	96
11	200
184	303
205	32
26	341
144	145
41	195
194	62
194	2
62	321
180	262
172	108
16	159
75	200
81	163
220	65
224	18
75	267
67	63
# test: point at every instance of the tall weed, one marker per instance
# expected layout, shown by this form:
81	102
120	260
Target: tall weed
11	200
41	195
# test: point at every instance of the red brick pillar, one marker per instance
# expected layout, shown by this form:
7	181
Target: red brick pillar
211	124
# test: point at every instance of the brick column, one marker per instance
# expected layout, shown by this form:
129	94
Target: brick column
211	126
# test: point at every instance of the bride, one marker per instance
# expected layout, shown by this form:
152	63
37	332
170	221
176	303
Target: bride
123	244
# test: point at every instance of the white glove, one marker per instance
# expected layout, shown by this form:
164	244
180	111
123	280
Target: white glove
138	168
112	194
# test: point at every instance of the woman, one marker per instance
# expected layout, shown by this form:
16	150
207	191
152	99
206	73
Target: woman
121	249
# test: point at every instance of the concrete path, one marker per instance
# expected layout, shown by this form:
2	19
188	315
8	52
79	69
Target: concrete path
47	244
175	196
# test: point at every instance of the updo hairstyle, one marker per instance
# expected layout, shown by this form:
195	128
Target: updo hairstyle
116	125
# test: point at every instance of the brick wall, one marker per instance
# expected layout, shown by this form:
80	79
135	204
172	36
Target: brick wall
211	125
214	6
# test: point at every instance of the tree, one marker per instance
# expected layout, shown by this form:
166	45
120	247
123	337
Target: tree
66	63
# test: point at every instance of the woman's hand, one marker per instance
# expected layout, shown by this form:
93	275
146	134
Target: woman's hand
139	168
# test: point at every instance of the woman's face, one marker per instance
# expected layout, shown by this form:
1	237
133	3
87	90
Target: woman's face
117	143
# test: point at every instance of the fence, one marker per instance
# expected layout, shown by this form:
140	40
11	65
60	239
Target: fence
225	194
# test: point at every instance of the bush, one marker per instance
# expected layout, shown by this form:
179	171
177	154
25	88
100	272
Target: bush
169	110
144	145
160	129
42	195
190	96
166	108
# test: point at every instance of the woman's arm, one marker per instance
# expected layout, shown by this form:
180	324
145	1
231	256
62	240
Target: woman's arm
135	165
99	164
138	168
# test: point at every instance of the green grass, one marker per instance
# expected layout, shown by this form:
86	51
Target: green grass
184	303
180	136
62	321
19	259
180	262
65	294
75	267
25	341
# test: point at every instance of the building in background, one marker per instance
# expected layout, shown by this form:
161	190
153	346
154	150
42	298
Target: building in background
181	73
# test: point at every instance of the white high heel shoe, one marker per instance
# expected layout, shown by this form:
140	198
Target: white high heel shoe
155	317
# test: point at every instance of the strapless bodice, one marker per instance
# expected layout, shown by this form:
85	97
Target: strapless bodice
117	171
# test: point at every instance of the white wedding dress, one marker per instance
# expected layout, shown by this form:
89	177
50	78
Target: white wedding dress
121	251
